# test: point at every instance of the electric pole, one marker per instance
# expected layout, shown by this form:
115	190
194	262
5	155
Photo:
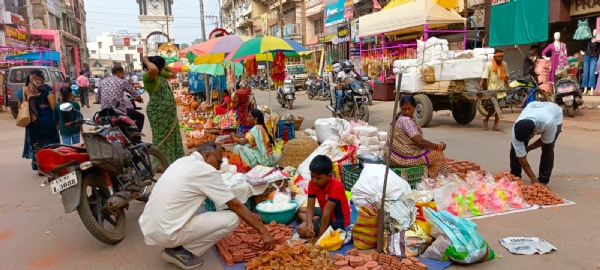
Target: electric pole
281	18
26	16
202	20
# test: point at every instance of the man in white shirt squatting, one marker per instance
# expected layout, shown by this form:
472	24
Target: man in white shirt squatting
543	118
170	218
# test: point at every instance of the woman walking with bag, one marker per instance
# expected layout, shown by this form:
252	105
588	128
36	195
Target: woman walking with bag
42	130
161	109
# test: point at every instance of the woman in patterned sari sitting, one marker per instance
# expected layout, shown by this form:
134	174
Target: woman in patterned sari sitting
409	148
256	146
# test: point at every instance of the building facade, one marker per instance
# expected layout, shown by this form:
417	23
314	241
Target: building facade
112	49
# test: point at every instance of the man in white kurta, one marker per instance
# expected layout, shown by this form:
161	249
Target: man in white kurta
170	219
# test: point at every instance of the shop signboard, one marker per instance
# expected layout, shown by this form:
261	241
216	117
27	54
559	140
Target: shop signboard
326	38
17	19
354	31
127	41
372	39
343	34
498	2
354	52
348	9
14	37
584	7
334	13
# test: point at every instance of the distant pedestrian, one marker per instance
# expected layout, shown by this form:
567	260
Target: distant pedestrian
84	86
494	78
69	135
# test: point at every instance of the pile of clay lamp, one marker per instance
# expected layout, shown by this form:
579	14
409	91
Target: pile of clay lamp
374	261
535	194
245	244
462	167
297	257
389	262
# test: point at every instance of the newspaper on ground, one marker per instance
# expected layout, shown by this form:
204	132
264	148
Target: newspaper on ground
526	245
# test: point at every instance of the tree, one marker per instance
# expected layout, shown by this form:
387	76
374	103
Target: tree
198	40
183	46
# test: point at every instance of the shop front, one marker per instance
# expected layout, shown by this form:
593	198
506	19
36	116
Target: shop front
68	47
390	35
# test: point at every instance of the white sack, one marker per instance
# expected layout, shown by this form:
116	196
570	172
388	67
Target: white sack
371	141
382	135
374	148
326	148
382	145
330	127
370	185
366	131
411	82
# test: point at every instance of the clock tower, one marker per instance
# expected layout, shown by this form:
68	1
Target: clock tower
156	18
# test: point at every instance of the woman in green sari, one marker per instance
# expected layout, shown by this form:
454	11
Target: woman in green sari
161	109
256	147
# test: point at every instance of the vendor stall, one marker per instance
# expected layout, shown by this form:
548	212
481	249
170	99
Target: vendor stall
380	43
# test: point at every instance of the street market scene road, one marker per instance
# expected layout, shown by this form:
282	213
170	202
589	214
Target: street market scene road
35	233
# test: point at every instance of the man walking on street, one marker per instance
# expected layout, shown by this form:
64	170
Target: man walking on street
84	87
543	118
494	78
114	88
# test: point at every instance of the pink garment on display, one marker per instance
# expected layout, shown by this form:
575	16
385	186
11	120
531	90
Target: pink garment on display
597	27
597	90
558	59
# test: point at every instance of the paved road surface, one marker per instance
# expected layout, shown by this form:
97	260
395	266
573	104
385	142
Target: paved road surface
27	211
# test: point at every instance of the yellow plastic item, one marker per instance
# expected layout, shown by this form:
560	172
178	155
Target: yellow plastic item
331	241
425	226
364	232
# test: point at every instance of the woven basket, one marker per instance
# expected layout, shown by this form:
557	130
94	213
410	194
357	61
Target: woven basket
296	151
298	122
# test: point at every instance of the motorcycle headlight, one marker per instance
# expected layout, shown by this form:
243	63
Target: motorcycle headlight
361	91
287	90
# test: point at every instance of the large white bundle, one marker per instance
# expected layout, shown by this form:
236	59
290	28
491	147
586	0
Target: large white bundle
432	49
280	202
330	127
370	141
382	135
464	54
411	82
370	185
483	51
367	131
374	148
458	69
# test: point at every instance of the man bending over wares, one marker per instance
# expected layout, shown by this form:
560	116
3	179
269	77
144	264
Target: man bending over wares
543	118
170	219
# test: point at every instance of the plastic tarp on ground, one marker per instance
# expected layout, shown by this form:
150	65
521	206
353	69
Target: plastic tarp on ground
513	22
409	17
36	56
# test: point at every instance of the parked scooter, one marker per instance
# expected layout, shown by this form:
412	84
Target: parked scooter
568	96
286	94
366	84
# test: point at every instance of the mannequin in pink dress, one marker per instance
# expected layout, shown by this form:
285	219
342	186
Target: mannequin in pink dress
559	55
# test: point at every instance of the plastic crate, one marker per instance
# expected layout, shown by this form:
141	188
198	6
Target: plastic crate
290	129
209	205
350	174
412	175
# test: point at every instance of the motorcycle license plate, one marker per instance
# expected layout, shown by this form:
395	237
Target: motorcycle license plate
63	182
360	99
567	98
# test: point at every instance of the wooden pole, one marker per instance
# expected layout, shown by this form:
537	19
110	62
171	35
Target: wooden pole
26	16
280	18
381	210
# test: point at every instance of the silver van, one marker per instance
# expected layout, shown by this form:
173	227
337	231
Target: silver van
15	77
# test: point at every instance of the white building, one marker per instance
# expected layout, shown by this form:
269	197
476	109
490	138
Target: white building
112	49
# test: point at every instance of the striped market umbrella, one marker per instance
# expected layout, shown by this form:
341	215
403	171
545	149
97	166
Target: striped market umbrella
268	44
213	51
216	69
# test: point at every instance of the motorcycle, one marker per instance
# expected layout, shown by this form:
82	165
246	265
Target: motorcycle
132	100
101	177
523	88
286	94
319	87
354	102
568	95
366	83
254	82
